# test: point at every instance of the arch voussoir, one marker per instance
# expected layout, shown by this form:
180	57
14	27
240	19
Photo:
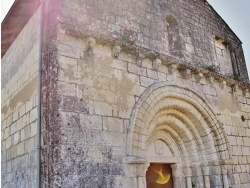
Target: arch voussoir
200	118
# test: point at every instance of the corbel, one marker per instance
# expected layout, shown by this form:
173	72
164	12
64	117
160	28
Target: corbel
173	69
116	51
199	76
90	43
223	85
139	59
245	91
156	64
234	88
211	79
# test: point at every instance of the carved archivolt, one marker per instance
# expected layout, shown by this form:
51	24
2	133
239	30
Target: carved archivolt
186	115
181	119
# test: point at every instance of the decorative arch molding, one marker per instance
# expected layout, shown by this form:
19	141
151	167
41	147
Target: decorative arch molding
167	139
169	142
189	110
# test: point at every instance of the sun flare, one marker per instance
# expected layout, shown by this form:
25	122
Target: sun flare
163	178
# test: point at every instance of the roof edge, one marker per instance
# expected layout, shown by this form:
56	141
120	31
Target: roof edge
223	20
15	20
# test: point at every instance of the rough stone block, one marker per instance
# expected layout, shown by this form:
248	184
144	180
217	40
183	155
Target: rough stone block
33	115
145	81
209	90
13	128
107	95
162	76
91	121
239	141
190	48
119	64
6	133
25	119
67	51
9	120
114	138
22	111
237	150
137	69
15	115
33	129
20	149
65	88
241	131
25	133
232	140
19	124
147	64
3	124
30	145
102	108
28	105
16	138
113	124
245	151
3	143
126	57
152	74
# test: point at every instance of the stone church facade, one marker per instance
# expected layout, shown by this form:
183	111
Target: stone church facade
134	94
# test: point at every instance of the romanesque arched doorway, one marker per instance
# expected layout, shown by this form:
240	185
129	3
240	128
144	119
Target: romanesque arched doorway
174	125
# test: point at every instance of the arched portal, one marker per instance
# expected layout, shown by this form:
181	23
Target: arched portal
173	124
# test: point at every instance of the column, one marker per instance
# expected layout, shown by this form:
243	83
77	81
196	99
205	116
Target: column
205	170
141	172
141	182
188	174
224	175
177	175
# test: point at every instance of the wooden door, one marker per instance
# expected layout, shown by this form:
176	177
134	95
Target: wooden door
159	176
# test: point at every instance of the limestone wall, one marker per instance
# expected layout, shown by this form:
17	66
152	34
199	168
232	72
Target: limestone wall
184	29
112	72
19	112
99	88
235	118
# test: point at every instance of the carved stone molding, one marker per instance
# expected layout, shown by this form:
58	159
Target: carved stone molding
223	85
211	79
139	59
91	43
173	68
234	88
116	51
245	91
156	64
199	76
134	160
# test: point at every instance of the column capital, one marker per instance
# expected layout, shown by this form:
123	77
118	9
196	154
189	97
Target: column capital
206	170
177	170
224	169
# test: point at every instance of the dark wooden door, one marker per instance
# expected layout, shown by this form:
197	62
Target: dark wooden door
159	176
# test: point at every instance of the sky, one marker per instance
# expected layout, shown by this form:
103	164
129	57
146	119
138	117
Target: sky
236	13
5	6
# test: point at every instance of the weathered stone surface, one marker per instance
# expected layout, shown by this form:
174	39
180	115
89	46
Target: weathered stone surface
19	85
126	80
